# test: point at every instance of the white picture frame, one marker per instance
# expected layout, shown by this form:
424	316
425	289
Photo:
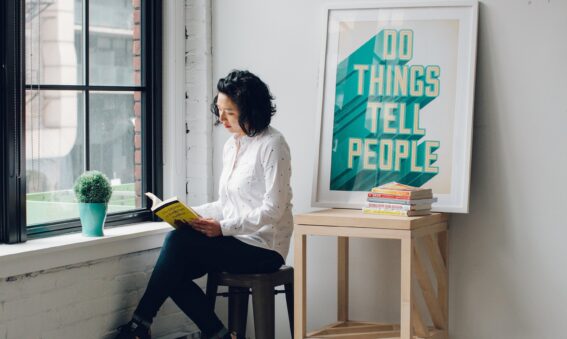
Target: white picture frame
373	110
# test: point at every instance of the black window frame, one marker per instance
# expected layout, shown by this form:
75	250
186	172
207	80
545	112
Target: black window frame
13	227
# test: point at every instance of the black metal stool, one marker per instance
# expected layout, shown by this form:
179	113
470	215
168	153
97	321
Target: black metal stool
262	287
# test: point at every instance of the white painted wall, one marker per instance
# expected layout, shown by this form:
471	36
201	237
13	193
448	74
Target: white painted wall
506	275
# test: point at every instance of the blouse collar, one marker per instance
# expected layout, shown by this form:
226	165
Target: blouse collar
245	139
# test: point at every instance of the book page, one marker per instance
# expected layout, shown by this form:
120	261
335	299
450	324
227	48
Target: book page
155	200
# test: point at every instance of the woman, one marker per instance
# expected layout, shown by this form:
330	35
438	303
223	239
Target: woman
247	230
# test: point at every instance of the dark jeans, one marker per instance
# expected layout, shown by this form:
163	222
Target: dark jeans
186	255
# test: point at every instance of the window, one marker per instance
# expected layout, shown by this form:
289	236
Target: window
81	90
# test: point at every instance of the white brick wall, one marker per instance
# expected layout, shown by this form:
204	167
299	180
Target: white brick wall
88	300
198	77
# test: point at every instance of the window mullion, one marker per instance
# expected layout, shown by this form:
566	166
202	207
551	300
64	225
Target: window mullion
86	78
13	204
87	160
86	43
152	117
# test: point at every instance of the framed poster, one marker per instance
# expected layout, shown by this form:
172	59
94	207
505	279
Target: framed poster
396	101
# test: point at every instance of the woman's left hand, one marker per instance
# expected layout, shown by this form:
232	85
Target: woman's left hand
208	226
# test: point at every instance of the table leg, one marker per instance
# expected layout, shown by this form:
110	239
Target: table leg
299	280
443	240
406	330
342	298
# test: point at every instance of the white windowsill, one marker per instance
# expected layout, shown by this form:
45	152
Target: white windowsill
42	254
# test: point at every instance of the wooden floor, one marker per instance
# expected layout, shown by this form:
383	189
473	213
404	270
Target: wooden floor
368	330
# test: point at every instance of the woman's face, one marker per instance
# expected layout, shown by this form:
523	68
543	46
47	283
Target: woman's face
228	114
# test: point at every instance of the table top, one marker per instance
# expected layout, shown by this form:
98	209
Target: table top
355	218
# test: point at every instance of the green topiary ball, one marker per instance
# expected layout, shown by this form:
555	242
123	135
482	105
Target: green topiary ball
92	187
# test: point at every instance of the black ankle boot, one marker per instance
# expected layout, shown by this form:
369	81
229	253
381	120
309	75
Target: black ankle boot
133	330
229	336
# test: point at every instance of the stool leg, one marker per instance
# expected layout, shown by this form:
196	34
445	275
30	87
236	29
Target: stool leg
289	302
238	309
212	289
263	300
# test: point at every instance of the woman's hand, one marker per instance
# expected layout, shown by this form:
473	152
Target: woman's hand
208	226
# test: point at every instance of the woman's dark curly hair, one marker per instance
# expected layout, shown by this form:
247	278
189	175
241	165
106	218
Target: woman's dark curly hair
252	97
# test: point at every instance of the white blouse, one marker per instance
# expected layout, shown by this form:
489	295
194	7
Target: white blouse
254	202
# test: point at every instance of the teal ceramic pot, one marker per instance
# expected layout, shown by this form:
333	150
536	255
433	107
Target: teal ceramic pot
92	218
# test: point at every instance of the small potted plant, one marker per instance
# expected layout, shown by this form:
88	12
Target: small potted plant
93	191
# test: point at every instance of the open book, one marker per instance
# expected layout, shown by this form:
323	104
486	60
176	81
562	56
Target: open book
172	210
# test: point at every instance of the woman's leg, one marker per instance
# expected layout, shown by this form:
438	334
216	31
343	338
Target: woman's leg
187	255
173	268
193	302
241	258
221	254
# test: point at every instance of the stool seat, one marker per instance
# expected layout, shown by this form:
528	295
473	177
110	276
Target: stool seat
262	287
281	277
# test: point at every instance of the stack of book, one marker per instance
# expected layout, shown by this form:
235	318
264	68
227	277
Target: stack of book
398	199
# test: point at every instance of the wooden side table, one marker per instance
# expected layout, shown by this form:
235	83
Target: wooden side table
431	230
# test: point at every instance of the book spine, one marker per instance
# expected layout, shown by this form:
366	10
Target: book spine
384	212
389	201
403	201
388	206
404	194
388	196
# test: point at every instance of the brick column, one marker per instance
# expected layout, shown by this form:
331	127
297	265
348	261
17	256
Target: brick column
199	87
137	64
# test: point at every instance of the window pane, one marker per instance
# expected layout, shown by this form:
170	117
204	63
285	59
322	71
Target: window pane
114	42
54	154
115	145
53	42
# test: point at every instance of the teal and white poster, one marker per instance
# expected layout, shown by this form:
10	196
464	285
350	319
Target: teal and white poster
396	103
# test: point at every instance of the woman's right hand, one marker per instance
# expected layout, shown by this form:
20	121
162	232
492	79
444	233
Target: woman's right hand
208	226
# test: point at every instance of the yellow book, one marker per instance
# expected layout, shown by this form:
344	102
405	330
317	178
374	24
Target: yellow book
172	211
